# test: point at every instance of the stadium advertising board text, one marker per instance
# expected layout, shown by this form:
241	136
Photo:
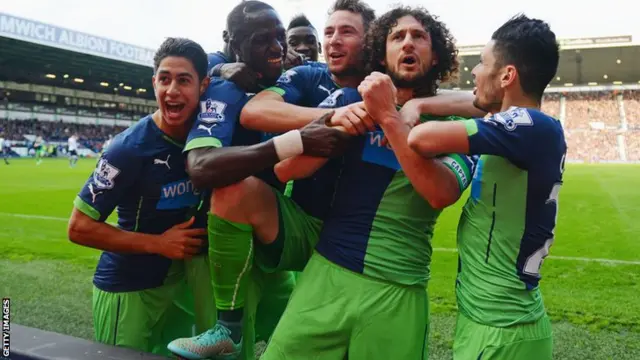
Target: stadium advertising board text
44	34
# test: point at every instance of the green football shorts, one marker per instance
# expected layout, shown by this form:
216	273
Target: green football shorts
334	312
474	341
138	319
266	299
201	291
298	233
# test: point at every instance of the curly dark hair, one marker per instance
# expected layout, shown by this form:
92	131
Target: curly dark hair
443	45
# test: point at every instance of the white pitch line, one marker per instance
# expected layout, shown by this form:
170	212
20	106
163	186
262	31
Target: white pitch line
41	217
569	258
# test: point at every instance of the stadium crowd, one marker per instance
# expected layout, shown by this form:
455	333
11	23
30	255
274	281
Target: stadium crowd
592	123
90	136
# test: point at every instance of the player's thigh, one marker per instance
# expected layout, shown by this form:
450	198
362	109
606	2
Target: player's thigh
179	321
475	341
250	200
318	320
128	319
538	349
276	291
393	324
298	234
532	341
254	295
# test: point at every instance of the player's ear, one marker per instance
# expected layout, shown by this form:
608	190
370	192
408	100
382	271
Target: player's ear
153	81
235	48
508	76
204	84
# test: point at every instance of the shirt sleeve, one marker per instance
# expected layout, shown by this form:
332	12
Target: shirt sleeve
512	134
293	83
114	175
217	118
462	166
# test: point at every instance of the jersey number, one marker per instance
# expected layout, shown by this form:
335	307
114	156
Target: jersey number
534	261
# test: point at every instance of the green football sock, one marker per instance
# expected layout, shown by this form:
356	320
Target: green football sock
231	260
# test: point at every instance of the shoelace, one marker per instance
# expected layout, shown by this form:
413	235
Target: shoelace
213	331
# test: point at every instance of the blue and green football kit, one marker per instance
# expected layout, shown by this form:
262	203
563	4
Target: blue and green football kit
505	232
142	175
362	294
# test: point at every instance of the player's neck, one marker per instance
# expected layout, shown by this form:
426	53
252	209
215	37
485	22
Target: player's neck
519	100
347	81
403	95
178	133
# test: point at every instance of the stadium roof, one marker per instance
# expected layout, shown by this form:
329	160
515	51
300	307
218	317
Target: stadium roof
34	51
584	61
39	53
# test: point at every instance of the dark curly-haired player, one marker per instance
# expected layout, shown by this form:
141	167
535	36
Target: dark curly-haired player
440	63
362	294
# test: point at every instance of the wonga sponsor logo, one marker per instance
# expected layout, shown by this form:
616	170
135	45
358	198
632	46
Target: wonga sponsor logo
177	195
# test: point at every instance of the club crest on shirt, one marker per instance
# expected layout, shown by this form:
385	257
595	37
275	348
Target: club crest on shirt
105	174
212	111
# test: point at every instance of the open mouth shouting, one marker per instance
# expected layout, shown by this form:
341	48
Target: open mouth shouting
336	56
409	61
174	109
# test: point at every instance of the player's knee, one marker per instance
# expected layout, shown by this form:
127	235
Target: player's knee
234	196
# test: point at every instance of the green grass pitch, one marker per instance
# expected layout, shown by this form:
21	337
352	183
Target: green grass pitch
591	281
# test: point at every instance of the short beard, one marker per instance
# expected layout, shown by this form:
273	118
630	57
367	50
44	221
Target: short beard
423	85
479	106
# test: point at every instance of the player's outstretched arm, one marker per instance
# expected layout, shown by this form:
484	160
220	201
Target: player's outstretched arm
301	166
449	102
212	167
298	167
179	242
268	112
438	137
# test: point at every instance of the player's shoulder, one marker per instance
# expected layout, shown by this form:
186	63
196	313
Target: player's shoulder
524	120
316	64
519	116
132	141
341	97
224	90
220	99
309	70
216	58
